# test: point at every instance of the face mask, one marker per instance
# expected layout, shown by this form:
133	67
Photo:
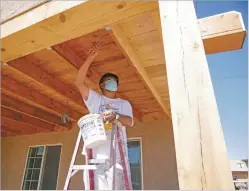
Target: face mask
111	85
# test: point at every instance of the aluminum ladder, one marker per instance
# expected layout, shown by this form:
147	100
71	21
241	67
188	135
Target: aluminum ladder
94	164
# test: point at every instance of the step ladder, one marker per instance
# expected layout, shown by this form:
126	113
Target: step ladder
94	164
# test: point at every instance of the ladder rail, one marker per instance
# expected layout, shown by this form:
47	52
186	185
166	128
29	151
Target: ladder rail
90	172
123	161
72	162
114	129
73	173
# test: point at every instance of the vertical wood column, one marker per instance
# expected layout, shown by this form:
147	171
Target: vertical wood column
201	155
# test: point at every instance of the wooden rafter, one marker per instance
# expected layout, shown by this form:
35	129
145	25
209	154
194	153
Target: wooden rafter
14	104
11	130
14	115
69	55
26	67
125	45
26	128
11	85
220	33
28	70
6	133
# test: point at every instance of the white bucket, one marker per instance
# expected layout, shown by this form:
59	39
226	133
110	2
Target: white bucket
92	130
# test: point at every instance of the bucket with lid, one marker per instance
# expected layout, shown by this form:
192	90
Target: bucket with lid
92	130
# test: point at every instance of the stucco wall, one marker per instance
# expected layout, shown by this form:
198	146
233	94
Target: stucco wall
159	164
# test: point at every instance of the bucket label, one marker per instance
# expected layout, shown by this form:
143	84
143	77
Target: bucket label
91	127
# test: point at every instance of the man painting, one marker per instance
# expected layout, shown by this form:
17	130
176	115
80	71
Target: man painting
121	110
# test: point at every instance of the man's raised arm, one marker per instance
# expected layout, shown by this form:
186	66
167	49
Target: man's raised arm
81	76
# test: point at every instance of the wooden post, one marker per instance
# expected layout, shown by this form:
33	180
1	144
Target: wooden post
201	155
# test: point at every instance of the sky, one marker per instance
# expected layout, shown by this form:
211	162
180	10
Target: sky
229	74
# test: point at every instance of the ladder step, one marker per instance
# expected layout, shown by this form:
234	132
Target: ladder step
85	167
97	161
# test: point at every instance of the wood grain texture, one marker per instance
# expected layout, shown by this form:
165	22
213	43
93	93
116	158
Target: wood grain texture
86	17
44	78
25	65
196	122
40	99
110	59
14	115
222	32
6	133
14	104
55	65
68	54
24	127
129	51
11	130
45	90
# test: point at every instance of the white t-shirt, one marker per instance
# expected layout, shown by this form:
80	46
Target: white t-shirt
97	103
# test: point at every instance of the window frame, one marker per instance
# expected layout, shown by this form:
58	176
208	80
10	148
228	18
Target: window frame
235	178
42	163
141	157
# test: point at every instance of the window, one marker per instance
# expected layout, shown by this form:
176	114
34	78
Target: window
41	170
33	168
134	153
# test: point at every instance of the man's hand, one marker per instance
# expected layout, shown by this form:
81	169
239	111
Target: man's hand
81	76
109	117
94	51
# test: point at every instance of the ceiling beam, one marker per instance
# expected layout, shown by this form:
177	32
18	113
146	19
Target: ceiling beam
65	52
29	71
14	115
121	40
11	130
26	67
82	17
220	33
6	134
11	85
43	27
26	128
14	104
38	14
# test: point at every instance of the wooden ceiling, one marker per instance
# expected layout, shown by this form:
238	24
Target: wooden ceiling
39	87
